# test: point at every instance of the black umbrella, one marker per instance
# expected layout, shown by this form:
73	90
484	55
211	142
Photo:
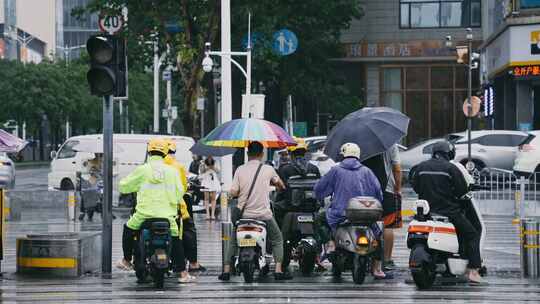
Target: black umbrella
203	150
375	130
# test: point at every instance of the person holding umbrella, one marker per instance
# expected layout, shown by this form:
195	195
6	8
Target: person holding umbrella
345	181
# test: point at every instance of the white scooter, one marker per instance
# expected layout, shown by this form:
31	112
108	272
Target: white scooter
434	244
251	240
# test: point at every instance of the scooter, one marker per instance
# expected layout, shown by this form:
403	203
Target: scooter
298	224
251	240
153	251
434	244
356	241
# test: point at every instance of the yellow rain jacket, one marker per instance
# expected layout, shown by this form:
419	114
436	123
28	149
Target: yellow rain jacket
171	161
158	190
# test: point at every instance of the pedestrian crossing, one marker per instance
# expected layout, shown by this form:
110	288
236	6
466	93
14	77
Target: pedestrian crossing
502	258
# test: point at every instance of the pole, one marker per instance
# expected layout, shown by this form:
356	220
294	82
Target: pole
226	95
106	253
202	123
169	102
156	88
469	101
121	115
248	68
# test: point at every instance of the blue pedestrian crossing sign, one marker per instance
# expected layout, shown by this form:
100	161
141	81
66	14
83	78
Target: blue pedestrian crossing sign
285	42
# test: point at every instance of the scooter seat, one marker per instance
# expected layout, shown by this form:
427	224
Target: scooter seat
156	224
440	218
250	221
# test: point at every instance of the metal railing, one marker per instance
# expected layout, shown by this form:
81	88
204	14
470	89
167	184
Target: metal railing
506	188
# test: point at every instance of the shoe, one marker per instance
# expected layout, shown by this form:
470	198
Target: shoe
200	268
187	279
124	265
383	276
475	280
389	265
225	276
282	276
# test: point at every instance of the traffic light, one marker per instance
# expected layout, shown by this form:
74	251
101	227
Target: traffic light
107	74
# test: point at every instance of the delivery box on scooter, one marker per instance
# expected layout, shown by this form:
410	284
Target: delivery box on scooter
363	209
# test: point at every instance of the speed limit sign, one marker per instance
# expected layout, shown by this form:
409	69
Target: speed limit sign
111	24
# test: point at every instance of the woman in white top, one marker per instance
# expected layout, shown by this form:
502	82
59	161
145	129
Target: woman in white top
208	174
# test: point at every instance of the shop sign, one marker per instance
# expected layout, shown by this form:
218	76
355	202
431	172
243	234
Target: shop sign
526	71
429	48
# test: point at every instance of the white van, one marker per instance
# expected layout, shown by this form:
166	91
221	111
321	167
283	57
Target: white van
129	152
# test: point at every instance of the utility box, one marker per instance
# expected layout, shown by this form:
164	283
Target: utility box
59	254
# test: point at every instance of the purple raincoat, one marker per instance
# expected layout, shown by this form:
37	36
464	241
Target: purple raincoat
347	180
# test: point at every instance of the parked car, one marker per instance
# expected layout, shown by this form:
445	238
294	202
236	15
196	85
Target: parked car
528	158
7	171
416	154
489	149
131	152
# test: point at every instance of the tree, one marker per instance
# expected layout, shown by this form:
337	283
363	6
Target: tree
317	23
60	93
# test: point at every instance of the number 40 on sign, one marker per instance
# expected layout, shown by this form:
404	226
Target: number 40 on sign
111	24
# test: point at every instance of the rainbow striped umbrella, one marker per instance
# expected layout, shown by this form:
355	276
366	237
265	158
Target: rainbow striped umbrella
238	133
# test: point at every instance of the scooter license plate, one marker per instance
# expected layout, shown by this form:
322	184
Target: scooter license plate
161	257
305	218
247	243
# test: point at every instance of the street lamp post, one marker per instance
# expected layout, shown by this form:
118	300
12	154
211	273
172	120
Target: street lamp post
226	95
227	55
469	97
471	65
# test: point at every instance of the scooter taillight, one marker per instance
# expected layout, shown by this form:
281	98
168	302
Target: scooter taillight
249	228
420	229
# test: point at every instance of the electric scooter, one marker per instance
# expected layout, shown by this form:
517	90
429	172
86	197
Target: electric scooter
356	241
298	224
251	240
434	243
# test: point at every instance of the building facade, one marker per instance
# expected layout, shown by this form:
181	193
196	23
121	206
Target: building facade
50	24
398	52
511	62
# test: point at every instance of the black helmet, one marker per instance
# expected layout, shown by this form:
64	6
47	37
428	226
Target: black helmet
443	149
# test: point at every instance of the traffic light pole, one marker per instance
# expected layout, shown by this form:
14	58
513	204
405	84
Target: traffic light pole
106	248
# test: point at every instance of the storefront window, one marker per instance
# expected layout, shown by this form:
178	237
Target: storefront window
417	108
432	96
417	78
440	13
442	78
442	113
529	4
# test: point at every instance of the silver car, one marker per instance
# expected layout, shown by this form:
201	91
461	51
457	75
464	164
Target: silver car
416	154
489	149
7	172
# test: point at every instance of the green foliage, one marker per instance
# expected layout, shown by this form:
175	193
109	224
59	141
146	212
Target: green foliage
61	93
308	74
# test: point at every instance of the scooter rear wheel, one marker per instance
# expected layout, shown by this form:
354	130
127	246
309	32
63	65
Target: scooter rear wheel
248	271
424	277
307	263
359	269
159	279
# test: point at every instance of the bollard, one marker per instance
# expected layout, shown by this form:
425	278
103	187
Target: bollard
71	206
2	236
519	200
530	252
226	229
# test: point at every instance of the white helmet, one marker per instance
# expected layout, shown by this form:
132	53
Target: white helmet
350	150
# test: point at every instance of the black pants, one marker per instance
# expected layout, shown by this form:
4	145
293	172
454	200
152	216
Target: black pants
469	239
189	240
128	245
